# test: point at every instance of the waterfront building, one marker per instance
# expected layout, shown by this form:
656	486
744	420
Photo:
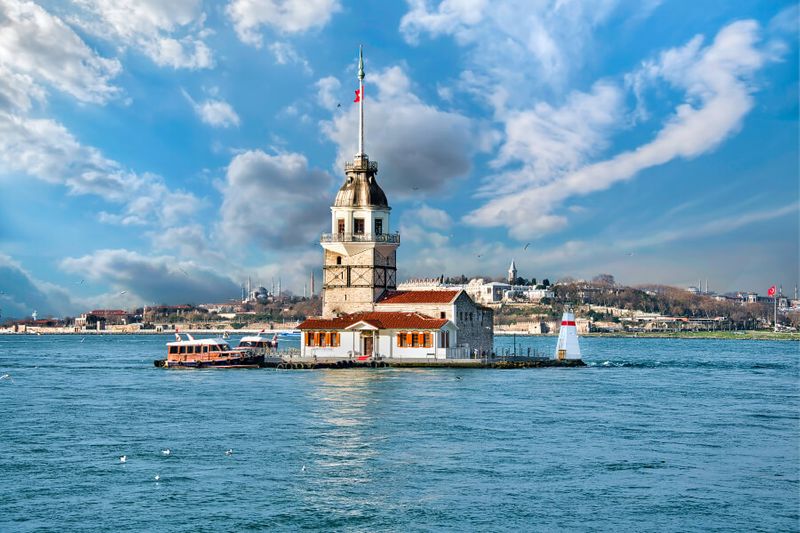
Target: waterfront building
363	313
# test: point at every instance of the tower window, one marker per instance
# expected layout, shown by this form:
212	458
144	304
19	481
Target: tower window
378	226
358	226
338	259
340	226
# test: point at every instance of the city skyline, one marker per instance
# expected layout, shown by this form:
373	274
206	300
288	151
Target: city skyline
163	153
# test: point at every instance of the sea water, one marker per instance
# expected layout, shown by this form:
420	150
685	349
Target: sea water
667	435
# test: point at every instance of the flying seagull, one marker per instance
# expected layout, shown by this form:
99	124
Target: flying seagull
122	292
166	451
182	270
123	458
526	246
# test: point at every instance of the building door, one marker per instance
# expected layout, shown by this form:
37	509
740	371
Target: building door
367	344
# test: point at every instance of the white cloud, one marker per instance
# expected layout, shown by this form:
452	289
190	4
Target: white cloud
327	92
285	54
284	16
151	279
552	140
38	48
275	201
419	147
522	44
44	149
716	80
217	113
170	33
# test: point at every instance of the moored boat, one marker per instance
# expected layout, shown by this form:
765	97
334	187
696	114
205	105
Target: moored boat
258	343
208	353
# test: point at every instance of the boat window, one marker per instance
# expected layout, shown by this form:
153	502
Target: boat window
183	349
205	348
225	347
173	349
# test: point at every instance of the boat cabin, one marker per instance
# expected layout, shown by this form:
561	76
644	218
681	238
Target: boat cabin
257	342
197	349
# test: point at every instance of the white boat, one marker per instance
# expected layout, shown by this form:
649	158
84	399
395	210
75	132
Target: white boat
257	342
567	346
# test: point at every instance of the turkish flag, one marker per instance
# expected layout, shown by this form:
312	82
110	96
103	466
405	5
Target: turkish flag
358	95
771	291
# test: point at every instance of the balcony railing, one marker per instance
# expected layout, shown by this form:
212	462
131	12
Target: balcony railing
371	166
392	238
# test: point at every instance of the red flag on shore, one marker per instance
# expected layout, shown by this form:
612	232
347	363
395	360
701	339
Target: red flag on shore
358	96
771	291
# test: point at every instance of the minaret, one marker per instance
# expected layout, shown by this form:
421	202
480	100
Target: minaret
360	252
313	288
512	273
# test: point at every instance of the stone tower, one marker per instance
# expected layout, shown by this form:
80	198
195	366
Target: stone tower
512	273
360	252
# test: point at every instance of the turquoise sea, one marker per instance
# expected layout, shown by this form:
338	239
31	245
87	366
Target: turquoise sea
654	435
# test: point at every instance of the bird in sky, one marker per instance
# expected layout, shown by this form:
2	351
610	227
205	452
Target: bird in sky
182	270
338	105
80	282
526	246
122	292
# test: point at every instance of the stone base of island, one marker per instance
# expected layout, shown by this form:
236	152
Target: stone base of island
310	363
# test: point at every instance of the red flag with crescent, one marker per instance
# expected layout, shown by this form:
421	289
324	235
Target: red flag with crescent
771	291
358	96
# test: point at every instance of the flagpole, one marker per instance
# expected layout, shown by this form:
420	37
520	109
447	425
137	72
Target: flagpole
360	101
775	299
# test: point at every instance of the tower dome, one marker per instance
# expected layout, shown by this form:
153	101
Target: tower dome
360	188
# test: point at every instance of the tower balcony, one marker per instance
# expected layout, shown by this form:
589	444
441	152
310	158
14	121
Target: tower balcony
389	238
362	164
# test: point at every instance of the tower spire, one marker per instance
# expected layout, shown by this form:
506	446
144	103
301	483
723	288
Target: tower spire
360	101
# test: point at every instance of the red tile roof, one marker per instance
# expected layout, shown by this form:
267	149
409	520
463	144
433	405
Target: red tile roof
102	312
419	297
381	320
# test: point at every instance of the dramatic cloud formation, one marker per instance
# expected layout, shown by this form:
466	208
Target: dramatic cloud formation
37	48
21	294
170	33
153	279
418	147
284	16
716	81
274	201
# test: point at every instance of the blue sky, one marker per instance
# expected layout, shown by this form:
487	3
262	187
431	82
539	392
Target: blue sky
164	151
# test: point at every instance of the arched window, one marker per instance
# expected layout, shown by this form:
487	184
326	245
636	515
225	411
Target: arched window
338	259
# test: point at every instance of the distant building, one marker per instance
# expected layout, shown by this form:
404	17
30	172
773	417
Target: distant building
101	318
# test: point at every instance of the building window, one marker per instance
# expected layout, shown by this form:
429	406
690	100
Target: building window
442	314
338	259
323	339
415	339
378	226
358	226
340	226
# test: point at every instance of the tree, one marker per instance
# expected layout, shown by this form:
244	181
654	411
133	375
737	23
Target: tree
546	282
604	280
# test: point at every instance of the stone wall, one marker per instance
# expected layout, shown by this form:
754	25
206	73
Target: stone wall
475	325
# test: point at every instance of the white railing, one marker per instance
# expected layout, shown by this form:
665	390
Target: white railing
361	237
457	352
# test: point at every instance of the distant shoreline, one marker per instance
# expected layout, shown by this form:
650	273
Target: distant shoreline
718	335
